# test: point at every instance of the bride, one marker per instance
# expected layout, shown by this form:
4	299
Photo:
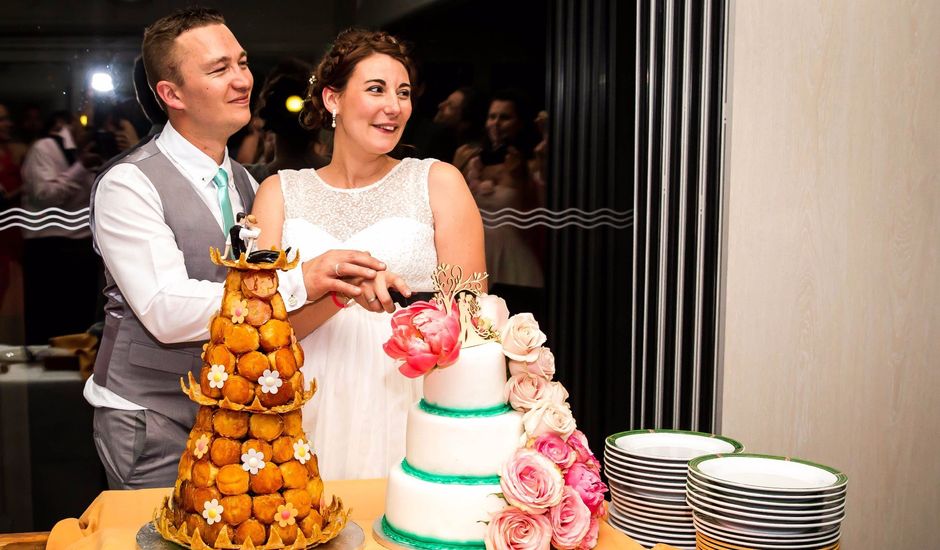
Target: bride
411	214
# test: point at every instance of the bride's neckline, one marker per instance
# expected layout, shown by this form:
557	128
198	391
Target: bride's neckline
316	175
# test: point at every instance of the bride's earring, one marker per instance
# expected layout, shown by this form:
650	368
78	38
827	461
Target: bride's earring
334	118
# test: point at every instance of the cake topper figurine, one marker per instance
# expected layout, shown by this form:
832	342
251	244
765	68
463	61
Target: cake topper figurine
451	288
242	237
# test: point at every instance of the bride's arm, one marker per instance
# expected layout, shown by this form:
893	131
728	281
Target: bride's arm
458	228
269	211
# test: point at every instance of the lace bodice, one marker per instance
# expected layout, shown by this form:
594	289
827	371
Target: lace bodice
390	218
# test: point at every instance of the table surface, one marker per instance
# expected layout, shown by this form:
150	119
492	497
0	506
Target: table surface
113	519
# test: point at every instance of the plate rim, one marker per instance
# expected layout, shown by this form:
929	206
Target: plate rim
737	446
841	478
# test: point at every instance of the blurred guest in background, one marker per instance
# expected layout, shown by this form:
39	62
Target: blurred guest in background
58	172
460	118
279	109
499	176
11	239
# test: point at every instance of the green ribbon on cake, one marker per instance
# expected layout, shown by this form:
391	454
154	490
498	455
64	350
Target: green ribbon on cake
427	543
463	413
446	479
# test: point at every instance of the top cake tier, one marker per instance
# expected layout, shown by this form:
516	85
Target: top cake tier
475	381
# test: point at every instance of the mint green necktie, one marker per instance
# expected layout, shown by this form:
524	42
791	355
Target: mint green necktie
221	184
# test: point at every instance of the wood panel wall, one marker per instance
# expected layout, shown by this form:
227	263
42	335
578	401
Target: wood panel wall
831	333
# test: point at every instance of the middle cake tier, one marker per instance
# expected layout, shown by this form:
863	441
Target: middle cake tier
451	443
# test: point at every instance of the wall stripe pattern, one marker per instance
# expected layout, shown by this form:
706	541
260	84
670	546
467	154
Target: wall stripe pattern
678	131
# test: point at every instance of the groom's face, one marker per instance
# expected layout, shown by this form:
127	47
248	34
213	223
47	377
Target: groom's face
216	82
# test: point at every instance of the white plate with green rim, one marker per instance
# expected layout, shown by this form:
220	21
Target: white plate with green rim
768	473
652	474
662	501
726	541
654	519
763	527
757	499
752	538
648	541
651	467
629	506
639	533
759	515
654	482
754	508
675	446
795	496
673	493
684	532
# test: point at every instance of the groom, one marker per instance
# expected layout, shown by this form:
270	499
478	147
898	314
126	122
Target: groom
154	217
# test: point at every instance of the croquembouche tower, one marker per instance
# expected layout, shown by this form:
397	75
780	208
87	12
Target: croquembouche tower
248	478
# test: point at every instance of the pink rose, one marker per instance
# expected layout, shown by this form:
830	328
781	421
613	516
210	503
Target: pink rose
424	335
555	393
578	441
590	540
522	338
531	482
524	391
513	529
555	448
548	417
544	365
570	519
588	485
493	309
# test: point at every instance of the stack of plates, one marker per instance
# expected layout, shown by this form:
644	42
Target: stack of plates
759	501
646	471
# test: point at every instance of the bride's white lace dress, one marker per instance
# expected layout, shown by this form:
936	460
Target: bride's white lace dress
357	418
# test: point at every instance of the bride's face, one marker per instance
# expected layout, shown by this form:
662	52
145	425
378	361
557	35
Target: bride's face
376	104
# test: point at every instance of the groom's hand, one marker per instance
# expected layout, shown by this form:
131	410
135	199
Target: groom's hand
326	272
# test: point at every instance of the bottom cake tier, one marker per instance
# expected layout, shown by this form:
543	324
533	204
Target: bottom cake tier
432	511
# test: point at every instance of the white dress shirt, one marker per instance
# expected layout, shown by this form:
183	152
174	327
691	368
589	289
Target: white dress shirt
140	252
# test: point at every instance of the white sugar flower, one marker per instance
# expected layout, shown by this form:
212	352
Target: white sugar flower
252	461
217	376
270	381
201	447
302	451
212	511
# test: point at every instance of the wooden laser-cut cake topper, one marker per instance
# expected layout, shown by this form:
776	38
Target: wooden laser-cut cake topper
451	288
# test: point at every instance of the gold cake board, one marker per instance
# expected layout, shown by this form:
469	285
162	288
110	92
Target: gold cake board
351	537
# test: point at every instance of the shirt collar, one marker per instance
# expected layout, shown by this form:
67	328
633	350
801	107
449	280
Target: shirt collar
196	164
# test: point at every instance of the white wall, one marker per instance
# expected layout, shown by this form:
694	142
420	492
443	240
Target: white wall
832	303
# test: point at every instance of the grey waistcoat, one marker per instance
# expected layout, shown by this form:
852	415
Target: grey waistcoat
131	362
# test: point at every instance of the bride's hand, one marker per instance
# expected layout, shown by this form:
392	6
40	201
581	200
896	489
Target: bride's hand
374	294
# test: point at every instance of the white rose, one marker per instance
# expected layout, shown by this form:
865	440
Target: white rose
524	391
549	417
493	309
555	393
544	365
522	338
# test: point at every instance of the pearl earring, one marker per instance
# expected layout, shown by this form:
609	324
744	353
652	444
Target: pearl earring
334	118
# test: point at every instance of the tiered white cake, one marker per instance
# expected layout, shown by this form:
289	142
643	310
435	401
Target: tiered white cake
458	437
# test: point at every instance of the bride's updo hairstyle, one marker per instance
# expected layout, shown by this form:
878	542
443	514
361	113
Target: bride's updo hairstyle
334	70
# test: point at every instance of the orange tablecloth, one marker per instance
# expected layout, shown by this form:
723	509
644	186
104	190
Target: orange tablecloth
113	519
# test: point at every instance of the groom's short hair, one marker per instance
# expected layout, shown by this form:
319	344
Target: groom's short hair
157	48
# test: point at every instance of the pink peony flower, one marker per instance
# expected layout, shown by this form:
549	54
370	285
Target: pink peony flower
493	309
590	540
544	365
548	417
524	391
570	519
531	482
522	338
424	336
555	448
513	529
588	485
578	441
